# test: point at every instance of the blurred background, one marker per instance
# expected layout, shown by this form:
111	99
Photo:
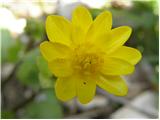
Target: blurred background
27	86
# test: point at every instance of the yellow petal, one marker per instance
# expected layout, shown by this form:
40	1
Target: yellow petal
101	24
78	36
103	21
86	87
110	41
114	66
128	54
51	51
113	84
61	67
58	29
65	88
81	18
119	36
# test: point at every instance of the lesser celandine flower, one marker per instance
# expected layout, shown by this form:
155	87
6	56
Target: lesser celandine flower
84	54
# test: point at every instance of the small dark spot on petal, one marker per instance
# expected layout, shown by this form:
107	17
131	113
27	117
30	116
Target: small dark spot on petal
84	83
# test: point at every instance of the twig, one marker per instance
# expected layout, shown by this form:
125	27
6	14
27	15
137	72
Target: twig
11	75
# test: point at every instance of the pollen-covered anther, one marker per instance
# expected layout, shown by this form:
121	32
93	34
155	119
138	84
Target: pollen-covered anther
88	63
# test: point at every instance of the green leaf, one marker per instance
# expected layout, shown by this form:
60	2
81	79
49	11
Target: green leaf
46	78
7	115
35	29
10	47
46	82
45	106
27	72
14	51
95	12
6	43
43	67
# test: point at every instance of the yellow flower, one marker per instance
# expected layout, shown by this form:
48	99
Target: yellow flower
84	53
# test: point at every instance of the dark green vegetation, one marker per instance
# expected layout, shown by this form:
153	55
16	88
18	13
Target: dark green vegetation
27	89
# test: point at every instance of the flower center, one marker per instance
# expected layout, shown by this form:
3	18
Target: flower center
87	63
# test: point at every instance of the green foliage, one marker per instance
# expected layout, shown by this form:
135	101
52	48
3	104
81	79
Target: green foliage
45	106
5	43
46	78
46	82
131	19
28	72
14	51
33	71
10	47
43	66
95	12
35	29
7	115
141	7
155	78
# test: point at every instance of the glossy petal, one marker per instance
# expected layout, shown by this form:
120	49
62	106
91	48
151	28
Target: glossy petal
86	87
113	66
58	29
101	24
61	67
78	36
110	41
119	36
51	51
128	54
113	84
81	18
65	88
